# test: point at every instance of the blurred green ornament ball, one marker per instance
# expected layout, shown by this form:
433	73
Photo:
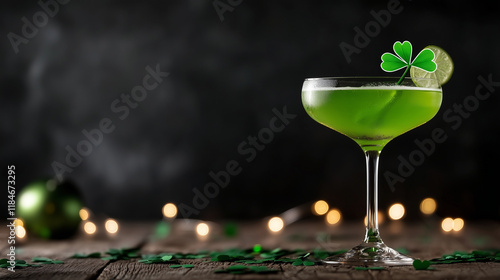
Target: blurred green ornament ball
50	209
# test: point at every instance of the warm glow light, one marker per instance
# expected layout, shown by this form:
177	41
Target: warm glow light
202	229
396	211
447	224
89	228
84	214
428	206
320	207
275	224
380	218
28	199
20	232
458	224
18	222
170	210
333	216
111	226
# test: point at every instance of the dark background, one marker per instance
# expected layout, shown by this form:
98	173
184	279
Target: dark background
225	79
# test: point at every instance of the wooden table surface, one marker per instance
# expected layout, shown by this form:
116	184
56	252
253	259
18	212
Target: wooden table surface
421	240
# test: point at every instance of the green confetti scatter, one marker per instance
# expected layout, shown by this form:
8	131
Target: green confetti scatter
171	257
322	254
86	256
5	263
121	254
308	263
232	255
254	255
166	258
42	260
464	257
181	265
161	258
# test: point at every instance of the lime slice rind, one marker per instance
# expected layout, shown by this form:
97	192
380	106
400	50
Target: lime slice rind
443	72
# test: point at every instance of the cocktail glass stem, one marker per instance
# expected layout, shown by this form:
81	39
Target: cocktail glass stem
372	233
372	251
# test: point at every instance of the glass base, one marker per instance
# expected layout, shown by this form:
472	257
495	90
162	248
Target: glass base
370	254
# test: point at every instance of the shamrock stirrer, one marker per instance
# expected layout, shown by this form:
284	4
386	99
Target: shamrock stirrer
424	60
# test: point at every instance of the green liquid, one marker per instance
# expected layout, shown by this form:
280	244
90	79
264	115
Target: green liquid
372	116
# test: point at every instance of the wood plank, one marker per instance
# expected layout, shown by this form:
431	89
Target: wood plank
78	269
130	270
131	235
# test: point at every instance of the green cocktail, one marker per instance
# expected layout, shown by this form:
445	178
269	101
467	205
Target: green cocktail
372	112
372	115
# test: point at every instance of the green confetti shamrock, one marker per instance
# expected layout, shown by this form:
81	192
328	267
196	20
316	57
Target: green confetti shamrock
86	256
43	260
424	60
181	265
492	255
5	263
421	265
121	254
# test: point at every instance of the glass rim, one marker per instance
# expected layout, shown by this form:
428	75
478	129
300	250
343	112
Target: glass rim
362	81
368	78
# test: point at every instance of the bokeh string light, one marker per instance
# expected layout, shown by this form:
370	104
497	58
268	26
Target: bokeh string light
84	214
428	206
20	232
447	224
19	228
450	224
332	216
320	208
111	226
90	228
275	224
18	222
396	211
458	224
90	223
169	210
202	229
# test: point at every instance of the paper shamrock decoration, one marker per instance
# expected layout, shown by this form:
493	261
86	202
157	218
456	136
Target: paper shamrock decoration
424	60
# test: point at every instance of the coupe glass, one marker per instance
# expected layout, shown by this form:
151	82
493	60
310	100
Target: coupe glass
371	111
